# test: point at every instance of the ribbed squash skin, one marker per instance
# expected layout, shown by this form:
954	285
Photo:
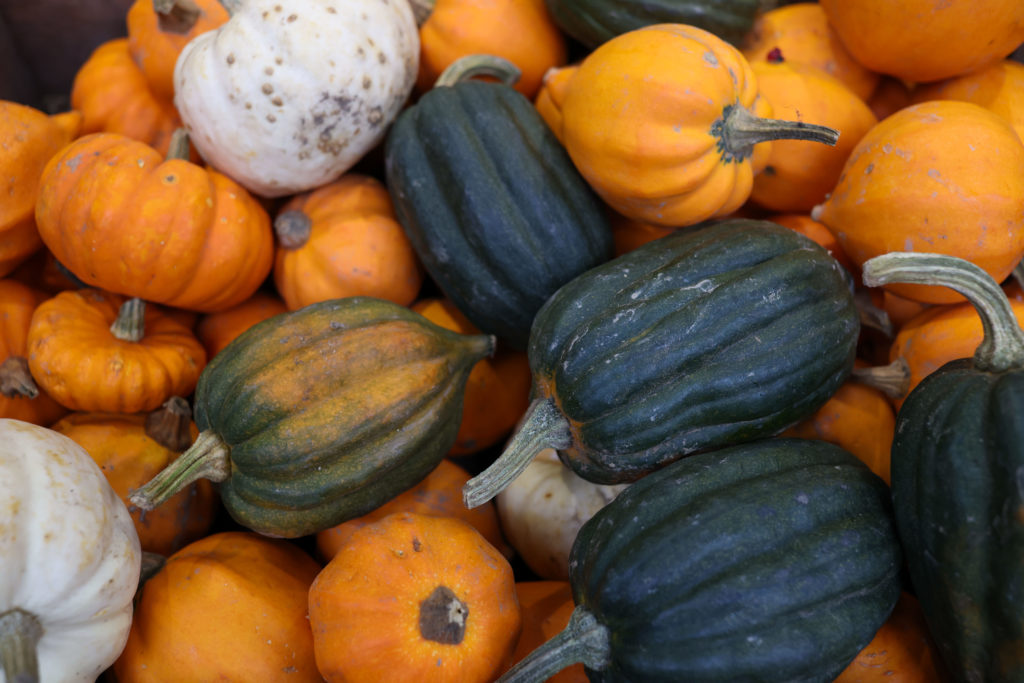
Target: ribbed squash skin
593	22
775	560
710	336
958	494
493	205
332	410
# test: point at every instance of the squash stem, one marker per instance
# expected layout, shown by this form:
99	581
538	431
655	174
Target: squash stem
471	66
421	9
738	130
543	426
176	16
130	324
1003	345
872	316
584	640
293	228
19	640
16	380
170	425
208	458
1018	273
893	379
178	147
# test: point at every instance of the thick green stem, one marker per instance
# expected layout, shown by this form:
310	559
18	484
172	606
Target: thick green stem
543	426
19	640
584	640
16	380
130	324
178	147
470	66
208	458
1003	345
738	130
893	379
293	228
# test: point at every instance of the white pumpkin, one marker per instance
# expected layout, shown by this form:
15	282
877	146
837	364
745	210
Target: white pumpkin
69	555
288	94
542	510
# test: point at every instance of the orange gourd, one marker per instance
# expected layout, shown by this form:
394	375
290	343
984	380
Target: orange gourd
96	351
546	607
942	177
217	330
924	40
122	218
28	139
999	88
551	95
414	597
520	31
438	494
498	388
131	449
228	607
341	240
890	95
628	234
808	227
666	124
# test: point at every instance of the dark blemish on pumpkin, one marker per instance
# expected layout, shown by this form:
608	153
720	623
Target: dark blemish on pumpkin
710	58
277	101
769	170
265	14
360	52
267	88
367	82
331	10
375	116
269	71
73	162
278	60
548	495
869	169
271	118
416	545
291	18
278	8
370	42
248	105
382	58
344	102
170	179
318	119
230	59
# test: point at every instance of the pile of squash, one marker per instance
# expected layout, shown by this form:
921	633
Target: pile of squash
399	340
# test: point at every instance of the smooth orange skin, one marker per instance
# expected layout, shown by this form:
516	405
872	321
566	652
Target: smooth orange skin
28	139
439	494
498	388
121	218
228	607
75	358
628	234
546	607
520	31
942	177
999	88
802	32
217	330
356	247
129	458
808	227
637	122
889	97
364	607
923	40
900	310
551	95
156	51
801	173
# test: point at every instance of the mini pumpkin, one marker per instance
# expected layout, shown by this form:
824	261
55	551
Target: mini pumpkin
546	607
550	96
217	330
999	88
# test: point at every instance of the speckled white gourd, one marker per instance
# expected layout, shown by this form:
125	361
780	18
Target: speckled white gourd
289	94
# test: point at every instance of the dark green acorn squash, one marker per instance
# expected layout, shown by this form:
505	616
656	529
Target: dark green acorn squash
775	560
713	335
491	202
958	480
322	414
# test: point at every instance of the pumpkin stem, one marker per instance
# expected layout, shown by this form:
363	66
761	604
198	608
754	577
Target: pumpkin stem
893	379
130	324
231	6
470	66
421	9
1018	273
208	458
19	639
170	424
16	380
871	316
584	640
1003	345
178	147
293	228
176	16
543	426
152	563
738	130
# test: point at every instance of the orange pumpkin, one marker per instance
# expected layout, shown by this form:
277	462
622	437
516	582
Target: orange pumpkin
808	227
899	310
228	607
498	388
551	95
520	31
425	593
96	351
628	234
131	449
942	177
217	330
999	88
124	219
341	240
43	272
889	97
546	607
666	124
438	494
28	138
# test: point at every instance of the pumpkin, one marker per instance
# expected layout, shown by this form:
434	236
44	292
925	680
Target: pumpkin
428	592
889	97
115	213
217	330
944	177
230	606
665	123
69	560
630	234
320	415
999	88
711	569
28	138
545	607
263	105
548	100
963	535
96	351
130	449
808	227
45	273
343	239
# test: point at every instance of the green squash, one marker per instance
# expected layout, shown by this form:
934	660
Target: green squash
775	560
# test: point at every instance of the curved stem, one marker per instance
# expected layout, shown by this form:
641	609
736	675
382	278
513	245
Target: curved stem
584	640
893	379
543	426
293	228
19	640
208	458
469	66
176	16
421	9
16	379
170	424
130	324
738	130
1003	345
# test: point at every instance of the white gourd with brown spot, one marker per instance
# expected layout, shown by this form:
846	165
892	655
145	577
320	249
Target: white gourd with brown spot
288	94
69	556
